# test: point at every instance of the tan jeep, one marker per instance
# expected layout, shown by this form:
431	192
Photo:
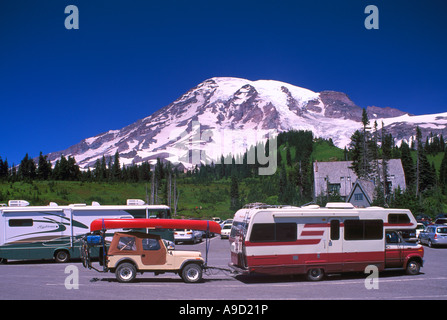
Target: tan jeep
132	252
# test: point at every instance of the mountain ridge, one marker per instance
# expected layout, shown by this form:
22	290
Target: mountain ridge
247	111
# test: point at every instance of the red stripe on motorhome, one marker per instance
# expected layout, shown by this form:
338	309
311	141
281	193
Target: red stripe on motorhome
289	243
312	233
317	225
386	224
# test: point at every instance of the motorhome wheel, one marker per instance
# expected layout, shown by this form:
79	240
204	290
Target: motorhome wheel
413	268
61	256
315	274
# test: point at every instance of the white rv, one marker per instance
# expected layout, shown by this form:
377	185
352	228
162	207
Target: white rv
316	241
47	232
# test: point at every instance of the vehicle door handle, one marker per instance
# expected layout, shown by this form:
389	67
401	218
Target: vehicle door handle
143	255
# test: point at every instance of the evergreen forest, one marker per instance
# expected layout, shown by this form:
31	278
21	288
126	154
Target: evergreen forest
221	188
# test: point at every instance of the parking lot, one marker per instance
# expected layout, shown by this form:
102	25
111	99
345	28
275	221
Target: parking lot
49	280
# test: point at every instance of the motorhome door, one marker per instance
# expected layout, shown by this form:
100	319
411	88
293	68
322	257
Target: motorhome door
393	249
335	246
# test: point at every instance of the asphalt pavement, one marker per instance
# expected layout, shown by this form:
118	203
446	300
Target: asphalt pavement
32	280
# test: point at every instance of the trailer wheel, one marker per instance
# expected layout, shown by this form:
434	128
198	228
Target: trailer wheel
413	268
192	273
61	256
315	274
126	272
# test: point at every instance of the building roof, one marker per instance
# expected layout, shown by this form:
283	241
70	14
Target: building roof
339	173
367	187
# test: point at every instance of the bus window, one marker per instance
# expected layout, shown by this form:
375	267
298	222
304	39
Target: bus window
159	214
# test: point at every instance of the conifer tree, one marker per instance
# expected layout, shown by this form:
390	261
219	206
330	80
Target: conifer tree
44	167
443	173
408	165
234	193
27	169
116	169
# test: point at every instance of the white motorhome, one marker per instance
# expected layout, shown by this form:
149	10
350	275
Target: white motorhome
53	231
315	241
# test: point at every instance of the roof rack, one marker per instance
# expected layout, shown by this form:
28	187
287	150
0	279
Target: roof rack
259	205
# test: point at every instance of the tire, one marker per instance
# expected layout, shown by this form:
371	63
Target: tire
125	272
316	274
61	256
192	273
84	255
430	244
413	268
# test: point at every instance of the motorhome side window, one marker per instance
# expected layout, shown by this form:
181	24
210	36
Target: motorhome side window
335	229
398	218
363	229
21	222
271	232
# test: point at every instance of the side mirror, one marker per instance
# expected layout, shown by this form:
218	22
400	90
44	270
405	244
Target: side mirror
169	244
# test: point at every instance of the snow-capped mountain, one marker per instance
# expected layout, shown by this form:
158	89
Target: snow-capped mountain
228	115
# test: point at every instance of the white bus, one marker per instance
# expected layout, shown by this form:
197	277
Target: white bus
316	241
54	232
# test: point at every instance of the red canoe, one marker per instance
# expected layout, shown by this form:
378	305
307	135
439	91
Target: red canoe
204	225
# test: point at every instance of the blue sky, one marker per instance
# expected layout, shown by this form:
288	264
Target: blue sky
131	58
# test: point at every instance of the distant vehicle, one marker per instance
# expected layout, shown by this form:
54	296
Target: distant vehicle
187	235
441	221
226	230
226	222
130	253
217	219
54	232
409	235
434	235
419	228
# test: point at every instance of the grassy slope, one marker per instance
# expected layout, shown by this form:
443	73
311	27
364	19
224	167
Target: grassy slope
196	200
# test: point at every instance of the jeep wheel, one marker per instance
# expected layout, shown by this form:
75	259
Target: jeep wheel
192	273
125	272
